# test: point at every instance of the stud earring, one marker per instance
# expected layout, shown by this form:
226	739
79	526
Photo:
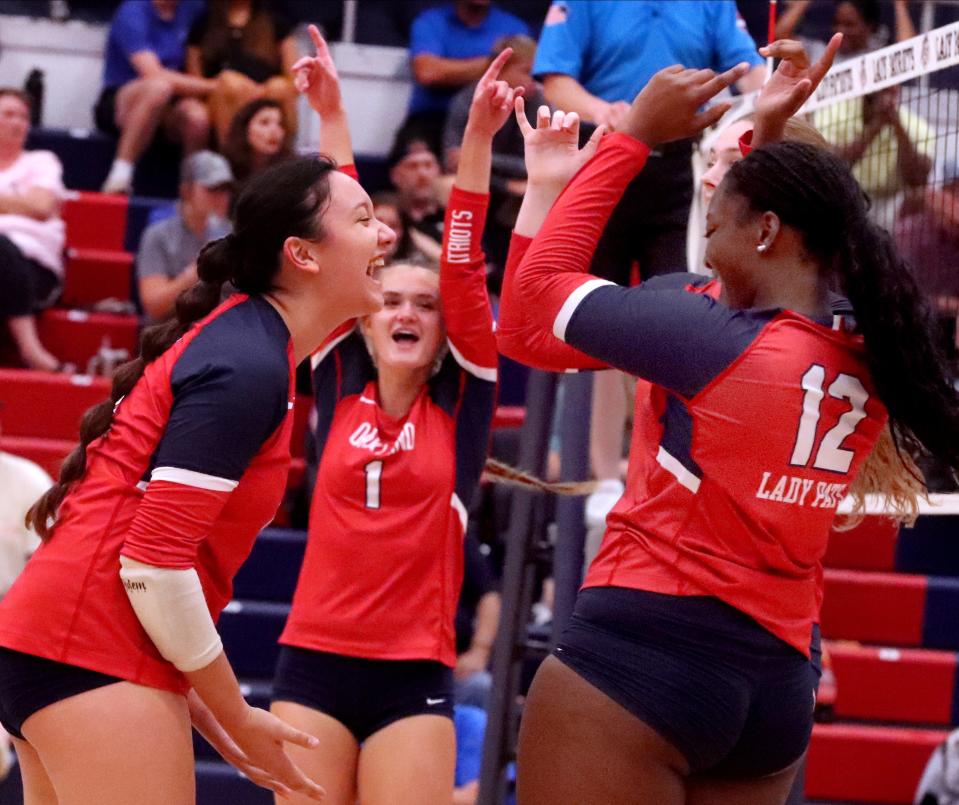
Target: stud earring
761	247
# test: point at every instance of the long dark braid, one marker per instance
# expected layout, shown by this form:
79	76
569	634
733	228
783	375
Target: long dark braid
814	191
283	201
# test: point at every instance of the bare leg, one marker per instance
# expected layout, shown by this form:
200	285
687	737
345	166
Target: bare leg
188	123
34	354
115	745
771	790
410	762
37	788
332	764
140	106
578	745
233	91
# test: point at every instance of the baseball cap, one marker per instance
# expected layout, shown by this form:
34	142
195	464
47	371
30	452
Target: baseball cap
205	168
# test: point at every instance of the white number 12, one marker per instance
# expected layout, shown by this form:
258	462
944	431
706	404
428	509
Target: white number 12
830	456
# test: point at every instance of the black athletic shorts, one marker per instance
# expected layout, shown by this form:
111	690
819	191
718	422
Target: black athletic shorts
29	683
105	112
362	694
732	697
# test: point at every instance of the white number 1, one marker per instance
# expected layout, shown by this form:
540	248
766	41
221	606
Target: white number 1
831	455
373	472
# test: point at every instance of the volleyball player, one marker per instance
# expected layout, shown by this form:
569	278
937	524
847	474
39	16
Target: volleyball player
108	638
688	669
404	402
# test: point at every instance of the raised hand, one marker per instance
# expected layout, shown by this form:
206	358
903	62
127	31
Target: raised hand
794	80
552	151
668	106
316	77
493	99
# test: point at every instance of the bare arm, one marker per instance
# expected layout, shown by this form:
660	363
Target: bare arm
430	70
317	78
159	292
904	27
566	93
753	80
194	61
37	202
914	166
148	65
289	53
789	21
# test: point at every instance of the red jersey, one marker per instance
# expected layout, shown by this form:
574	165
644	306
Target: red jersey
384	559
755	425
193	466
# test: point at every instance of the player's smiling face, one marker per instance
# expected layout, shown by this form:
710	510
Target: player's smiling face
407	332
731	237
354	243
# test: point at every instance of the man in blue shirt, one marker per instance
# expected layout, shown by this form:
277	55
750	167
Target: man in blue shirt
594	57
144	85
449	48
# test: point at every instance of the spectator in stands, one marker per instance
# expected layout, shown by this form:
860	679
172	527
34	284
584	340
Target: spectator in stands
857	20
166	262
889	147
415	173
477	619
144	84
449	48
387	208
928	237
260	136
508	182
31	231
250	49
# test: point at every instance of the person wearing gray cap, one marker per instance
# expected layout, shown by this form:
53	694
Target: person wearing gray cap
166	261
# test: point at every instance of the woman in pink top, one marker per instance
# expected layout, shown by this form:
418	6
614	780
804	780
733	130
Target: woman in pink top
31	231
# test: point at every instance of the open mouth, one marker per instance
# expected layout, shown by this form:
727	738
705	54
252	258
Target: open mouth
375	265
405	337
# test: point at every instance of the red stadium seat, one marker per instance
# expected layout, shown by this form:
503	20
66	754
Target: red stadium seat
871	545
48	453
76	336
895	685
867	764
95	221
886	608
95	274
47	405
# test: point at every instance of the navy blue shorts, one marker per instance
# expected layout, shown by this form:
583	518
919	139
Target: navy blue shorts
362	694
29	683
732	697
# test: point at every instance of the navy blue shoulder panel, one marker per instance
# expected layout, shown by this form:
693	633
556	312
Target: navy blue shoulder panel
230	392
673	338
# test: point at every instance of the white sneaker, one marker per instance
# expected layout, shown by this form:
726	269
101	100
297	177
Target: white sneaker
120	178
599	503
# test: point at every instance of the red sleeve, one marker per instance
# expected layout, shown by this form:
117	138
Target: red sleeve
466	306
552	279
349	170
171	522
746	143
521	339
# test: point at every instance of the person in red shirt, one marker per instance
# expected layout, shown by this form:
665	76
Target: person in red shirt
688	669
108	646
404	404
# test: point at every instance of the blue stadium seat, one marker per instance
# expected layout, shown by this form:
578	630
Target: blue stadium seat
271	571
250	630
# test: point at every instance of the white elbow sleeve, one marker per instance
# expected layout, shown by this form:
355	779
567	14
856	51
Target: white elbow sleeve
172	610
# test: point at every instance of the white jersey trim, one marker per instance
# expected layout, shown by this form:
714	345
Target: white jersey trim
673	466
460	510
200	480
482	372
317	357
572	302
